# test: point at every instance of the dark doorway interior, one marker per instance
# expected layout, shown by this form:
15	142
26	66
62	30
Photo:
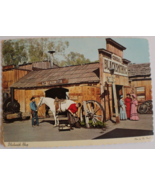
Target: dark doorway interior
118	93
60	93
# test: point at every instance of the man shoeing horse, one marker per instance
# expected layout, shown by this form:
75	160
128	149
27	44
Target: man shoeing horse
72	115
57	106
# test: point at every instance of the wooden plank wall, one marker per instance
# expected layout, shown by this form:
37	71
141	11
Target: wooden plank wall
43	65
19	95
27	66
84	93
8	67
76	93
11	76
148	86
141	83
24	96
19	74
119	80
127	90
29	94
115	50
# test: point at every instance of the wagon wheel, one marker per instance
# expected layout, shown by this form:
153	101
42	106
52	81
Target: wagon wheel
143	108
150	111
149	104
94	112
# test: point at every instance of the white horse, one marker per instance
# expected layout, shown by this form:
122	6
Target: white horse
50	103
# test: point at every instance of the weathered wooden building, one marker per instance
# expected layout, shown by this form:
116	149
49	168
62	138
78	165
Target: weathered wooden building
140	81
82	82
10	76
37	65
77	83
12	73
112	67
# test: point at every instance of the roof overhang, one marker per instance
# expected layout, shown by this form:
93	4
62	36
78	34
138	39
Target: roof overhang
104	51
114	43
126	61
53	85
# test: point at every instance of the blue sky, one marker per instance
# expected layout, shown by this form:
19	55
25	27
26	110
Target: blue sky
137	50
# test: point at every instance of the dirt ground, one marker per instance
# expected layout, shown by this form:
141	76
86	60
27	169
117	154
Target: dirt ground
22	131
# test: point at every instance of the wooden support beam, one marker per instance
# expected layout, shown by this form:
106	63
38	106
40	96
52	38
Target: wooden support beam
101	77
115	100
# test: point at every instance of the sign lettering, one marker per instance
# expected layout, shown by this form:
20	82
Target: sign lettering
116	58
120	69
53	82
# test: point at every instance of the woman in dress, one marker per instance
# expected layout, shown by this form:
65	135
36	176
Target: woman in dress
123	115
134	105
128	105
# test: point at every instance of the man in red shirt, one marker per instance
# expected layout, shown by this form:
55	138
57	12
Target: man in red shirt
72	115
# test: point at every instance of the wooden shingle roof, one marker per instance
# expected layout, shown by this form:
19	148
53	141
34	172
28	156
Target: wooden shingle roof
139	70
87	73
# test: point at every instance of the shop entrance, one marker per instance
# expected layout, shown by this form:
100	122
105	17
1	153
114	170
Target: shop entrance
119	92
60	93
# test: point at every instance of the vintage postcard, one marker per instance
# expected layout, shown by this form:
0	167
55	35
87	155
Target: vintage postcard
76	91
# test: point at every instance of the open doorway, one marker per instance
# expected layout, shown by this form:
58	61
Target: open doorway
119	92
60	93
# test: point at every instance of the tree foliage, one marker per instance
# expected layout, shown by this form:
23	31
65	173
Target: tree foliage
14	52
30	50
35	50
38	48
73	58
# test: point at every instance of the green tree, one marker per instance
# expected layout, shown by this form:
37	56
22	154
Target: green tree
38	48
96	61
74	58
31	50
14	52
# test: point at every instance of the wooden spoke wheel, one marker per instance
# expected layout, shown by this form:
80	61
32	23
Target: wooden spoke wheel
149	104
143	108
94	112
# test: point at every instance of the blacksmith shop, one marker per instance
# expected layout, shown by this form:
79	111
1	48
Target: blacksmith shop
103	81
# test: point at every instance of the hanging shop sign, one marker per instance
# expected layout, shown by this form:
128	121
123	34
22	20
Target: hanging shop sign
53	82
119	68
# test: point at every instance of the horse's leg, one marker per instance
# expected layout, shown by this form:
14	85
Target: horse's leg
55	118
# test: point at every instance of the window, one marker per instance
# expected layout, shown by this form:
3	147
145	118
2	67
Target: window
140	91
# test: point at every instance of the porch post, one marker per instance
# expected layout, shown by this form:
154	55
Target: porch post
115	100
101	77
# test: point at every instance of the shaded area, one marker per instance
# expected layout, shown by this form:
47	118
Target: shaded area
119	133
57	92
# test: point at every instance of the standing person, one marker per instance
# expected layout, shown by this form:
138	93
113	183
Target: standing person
134	105
72	115
34	111
123	115
128	105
